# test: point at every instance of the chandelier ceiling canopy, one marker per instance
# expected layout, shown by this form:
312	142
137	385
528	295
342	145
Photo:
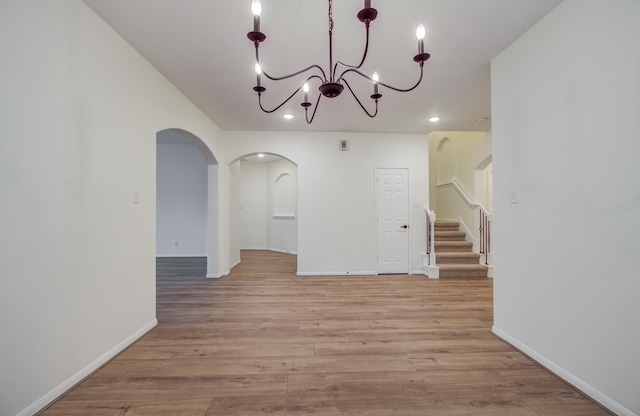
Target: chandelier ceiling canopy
334	79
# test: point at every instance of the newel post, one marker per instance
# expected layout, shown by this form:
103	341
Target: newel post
429	258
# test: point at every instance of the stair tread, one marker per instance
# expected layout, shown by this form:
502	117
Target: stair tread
453	243
458	254
462	266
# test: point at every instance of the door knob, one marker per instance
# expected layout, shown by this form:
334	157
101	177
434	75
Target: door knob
404	226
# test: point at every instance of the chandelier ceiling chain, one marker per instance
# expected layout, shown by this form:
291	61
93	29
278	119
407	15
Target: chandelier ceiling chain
333	86
331	16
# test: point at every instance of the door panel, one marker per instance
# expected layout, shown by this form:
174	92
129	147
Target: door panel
393	220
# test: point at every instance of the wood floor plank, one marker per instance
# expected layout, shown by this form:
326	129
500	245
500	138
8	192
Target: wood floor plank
265	341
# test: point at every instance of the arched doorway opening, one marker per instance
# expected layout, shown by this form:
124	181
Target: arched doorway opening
187	190
263	201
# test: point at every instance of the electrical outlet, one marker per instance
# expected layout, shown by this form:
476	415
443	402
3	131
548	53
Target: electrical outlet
175	243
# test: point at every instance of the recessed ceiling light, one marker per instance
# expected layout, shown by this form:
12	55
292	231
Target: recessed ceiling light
260	154
288	116
433	119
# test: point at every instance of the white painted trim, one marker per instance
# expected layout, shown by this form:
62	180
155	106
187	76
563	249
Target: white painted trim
444	185
283	251
277	250
334	273
576	382
469	236
181	255
213	276
283	217
234	265
490	272
69	383
464	194
432	272
467	198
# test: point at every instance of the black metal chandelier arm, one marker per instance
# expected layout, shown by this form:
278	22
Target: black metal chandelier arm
324	77
306	113
315	76
359	102
364	56
341	78
290	75
278	107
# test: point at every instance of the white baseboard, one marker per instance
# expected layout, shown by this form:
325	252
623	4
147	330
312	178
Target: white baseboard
277	250
283	251
48	398
336	273
235	264
576	382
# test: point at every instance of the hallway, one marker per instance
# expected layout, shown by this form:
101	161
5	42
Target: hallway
264	341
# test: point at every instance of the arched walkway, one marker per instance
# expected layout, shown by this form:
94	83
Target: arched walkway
208	202
263	201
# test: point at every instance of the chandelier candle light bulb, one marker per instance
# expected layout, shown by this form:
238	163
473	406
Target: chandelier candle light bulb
258	72
375	79
420	34
256	9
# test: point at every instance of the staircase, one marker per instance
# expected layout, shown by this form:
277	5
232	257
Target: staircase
454	255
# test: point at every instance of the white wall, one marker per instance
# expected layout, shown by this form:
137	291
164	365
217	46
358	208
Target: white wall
79	113
253	205
336	192
566	123
258	227
181	200
282	220
233	218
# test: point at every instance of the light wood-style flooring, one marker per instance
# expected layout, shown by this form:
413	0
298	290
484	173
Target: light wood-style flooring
262	341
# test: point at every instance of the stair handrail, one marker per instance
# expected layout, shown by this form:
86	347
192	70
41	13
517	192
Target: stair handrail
431	220
465	195
485	219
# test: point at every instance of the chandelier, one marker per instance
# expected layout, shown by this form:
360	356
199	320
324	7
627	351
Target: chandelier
333	85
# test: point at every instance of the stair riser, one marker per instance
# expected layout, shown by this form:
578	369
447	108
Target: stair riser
449	238
454	255
452	249
462	274
445	228
457	260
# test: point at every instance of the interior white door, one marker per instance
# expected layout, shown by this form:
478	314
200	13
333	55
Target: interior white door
393	219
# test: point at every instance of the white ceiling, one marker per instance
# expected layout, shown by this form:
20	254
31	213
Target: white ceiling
202	48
